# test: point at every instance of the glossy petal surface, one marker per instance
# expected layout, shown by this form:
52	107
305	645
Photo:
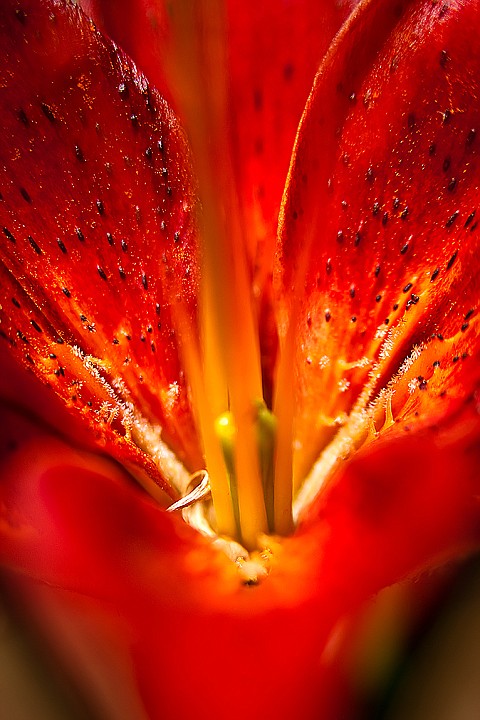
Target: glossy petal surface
98	237
378	263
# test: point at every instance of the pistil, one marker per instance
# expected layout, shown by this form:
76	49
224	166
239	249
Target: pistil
225	372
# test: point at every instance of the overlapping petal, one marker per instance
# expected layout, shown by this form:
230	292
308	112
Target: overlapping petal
98	239
273	51
378	262
195	636
88	541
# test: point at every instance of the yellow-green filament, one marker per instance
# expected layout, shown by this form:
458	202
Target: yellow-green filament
237	430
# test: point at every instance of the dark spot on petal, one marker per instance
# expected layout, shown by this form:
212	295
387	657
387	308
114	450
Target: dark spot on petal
377	270
47	111
109	238
80	235
257	100
100	207
443	58
353	319
66	292
446	164
145	281
340	236
407	287
79	153
149	153
61	245
469	314
452	185
452	219
121	272
471	136
404	249
134	120
378	298
8	235
464	327
447	114
328	315
452	260
22	117
358	237
21	16
469	219
15	302
404	213
34	245
352	291
25	195
434	275
288	71
123	91
36	326
375	207
101	272
432	149
124	245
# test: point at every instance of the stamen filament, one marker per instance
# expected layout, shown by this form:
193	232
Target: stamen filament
283	409
230	350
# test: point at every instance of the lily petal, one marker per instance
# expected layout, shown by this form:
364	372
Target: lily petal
377	273
98	220
274	51
100	558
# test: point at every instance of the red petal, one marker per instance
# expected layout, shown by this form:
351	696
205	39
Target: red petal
401	506
153	591
274	50
174	604
97	215
273	53
379	251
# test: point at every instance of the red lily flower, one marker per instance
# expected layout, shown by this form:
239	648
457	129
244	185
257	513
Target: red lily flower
154	318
